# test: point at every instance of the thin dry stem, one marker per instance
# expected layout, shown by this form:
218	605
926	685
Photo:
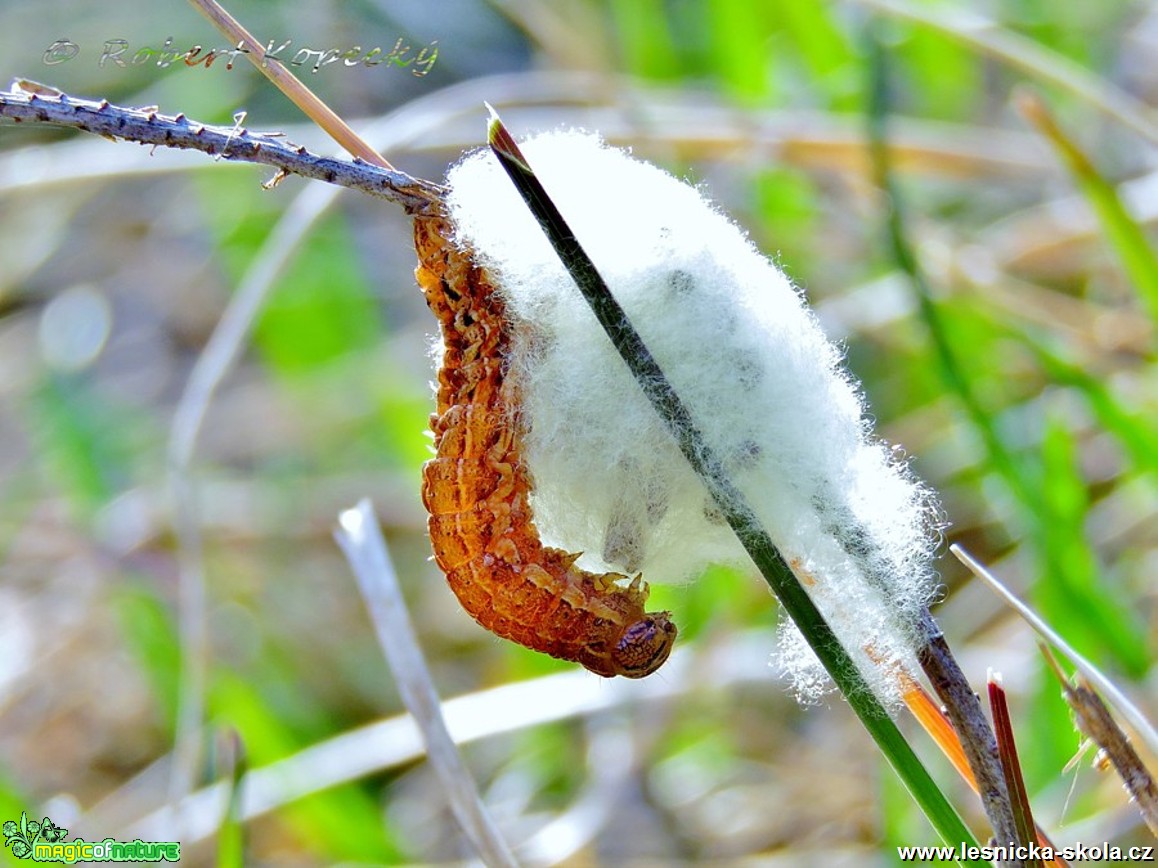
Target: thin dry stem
1014	779
973	730
361	540
288	83
1118	699
1095	721
936	724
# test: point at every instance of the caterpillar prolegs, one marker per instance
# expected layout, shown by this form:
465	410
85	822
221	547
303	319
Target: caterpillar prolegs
477	492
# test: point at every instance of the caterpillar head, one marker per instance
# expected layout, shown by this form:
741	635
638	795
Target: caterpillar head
644	645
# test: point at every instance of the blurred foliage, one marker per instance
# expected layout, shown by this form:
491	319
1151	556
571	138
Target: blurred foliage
1043	443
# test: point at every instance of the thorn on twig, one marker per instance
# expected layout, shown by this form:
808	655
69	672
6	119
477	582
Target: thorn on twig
280	176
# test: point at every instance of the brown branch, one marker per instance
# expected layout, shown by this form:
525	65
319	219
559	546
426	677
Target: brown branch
977	738
1097	724
149	127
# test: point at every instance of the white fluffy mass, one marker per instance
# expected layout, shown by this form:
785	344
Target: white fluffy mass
747	357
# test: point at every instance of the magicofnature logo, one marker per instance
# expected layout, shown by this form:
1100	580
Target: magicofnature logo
44	841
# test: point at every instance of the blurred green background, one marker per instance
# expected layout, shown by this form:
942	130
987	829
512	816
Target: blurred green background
1035	415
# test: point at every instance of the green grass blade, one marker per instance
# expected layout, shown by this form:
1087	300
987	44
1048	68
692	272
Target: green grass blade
1134	431
646	40
1074	595
1122	231
739	48
231	837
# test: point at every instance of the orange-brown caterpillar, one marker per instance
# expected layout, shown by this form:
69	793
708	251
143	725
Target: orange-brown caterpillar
477	488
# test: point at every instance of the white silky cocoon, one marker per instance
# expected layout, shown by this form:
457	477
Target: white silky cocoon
748	359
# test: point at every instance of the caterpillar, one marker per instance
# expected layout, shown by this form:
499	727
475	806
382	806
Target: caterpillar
477	491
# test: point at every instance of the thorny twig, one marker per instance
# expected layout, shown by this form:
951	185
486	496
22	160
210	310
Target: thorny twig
147	126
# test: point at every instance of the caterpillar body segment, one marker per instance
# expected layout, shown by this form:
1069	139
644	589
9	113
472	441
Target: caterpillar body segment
477	492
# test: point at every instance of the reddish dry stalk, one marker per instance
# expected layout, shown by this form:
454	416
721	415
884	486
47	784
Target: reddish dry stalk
934	721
